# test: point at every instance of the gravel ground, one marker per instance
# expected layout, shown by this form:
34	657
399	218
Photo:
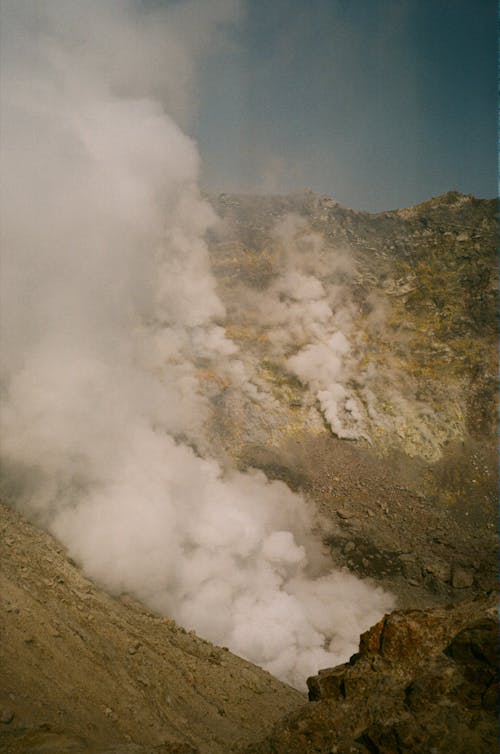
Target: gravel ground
387	519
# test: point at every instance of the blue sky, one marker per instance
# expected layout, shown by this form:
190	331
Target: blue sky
378	103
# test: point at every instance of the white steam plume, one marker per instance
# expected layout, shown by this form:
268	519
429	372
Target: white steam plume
317	332
108	309
310	323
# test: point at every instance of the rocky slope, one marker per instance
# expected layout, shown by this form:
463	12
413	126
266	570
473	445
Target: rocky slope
413	290
397	431
85	672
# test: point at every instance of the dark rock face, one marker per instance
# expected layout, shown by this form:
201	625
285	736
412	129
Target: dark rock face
423	681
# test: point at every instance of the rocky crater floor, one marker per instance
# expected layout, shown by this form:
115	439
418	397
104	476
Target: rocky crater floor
375	523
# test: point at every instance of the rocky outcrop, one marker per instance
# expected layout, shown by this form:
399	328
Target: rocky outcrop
422	681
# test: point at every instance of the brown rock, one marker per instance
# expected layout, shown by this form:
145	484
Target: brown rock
6	715
424	680
461	579
328	683
370	641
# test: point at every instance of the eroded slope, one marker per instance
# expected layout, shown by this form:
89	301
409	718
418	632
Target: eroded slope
83	671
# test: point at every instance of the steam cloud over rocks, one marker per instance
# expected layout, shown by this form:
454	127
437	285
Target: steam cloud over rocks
315	322
108	309
316	330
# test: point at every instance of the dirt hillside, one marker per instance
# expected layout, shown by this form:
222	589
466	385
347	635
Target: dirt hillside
85	672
